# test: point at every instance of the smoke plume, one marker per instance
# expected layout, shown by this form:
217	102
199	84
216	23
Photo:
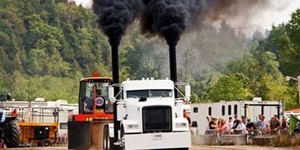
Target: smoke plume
166	18
171	18
114	16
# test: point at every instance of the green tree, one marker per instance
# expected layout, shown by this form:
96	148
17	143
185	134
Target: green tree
229	87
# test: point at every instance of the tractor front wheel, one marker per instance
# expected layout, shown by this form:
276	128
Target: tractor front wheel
11	134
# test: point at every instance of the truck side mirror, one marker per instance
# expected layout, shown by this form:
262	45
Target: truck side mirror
187	92
111	93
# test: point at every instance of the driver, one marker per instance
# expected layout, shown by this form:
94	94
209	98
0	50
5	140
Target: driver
89	101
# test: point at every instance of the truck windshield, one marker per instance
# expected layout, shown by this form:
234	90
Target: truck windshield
149	93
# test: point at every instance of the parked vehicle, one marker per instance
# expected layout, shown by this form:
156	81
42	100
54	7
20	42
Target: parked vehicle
9	129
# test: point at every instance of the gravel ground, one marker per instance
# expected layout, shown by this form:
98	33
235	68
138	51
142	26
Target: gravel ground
192	148
236	147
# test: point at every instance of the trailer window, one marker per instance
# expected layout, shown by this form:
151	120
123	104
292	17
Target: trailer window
209	111
195	109
229	110
223	110
235	109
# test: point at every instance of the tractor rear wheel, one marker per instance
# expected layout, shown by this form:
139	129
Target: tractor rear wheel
11	134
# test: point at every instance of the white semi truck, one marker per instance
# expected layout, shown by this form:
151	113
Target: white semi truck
150	116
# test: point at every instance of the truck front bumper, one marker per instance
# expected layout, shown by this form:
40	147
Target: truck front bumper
157	140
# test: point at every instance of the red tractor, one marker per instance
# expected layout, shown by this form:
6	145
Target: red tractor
95	111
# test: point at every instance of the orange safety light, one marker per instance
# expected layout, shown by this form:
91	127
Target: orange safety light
95	74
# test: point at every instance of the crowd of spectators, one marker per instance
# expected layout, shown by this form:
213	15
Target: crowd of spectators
243	125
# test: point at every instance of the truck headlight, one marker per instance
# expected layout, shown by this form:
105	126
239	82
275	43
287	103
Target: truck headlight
132	126
180	125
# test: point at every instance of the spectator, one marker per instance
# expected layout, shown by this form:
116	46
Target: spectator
244	120
219	121
222	127
250	126
235	122
208	120
284	127
213	123
187	116
274	126
262	125
241	128
259	117
230	122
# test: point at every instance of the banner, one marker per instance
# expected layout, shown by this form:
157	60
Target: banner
293	123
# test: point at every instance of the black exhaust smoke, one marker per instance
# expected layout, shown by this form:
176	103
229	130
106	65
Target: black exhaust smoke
170	18
113	17
166	18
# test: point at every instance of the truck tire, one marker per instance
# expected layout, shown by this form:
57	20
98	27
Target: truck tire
11	134
107	141
122	136
46	143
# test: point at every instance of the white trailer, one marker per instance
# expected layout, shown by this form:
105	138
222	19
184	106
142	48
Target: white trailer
150	116
226	109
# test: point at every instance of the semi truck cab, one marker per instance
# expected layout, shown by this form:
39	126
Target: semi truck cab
151	117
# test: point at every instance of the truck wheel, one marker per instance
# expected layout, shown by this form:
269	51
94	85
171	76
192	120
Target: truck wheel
11	134
107	141
46	143
122	136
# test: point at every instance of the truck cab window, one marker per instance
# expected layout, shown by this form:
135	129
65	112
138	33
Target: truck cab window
149	93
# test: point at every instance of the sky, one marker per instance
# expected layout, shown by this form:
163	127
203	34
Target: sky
277	12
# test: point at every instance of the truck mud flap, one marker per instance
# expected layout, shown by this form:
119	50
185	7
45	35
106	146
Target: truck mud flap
79	135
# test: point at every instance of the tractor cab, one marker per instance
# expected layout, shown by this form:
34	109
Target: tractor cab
94	111
93	101
93	95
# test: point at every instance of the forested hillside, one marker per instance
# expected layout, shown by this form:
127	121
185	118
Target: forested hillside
46	46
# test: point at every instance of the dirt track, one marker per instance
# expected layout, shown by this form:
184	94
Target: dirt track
192	148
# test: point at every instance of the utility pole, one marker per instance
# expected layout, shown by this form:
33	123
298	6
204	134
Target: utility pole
187	53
